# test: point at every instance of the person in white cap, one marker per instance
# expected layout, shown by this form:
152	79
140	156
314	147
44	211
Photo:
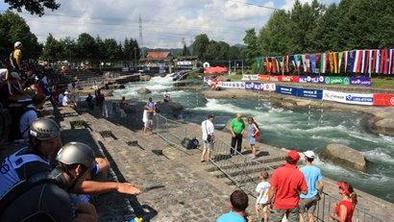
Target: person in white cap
315	184
16	56
65	99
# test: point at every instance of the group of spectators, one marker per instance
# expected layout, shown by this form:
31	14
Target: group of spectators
41	180
291	194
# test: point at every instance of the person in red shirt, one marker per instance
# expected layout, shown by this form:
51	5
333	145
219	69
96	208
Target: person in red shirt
286	185
343	211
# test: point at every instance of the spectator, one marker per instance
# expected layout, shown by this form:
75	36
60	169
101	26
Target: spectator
89	101
237	131
167	97
16	57
60	98
30	115
343	211
262	205
122	107
314	181
239	202
100	102
253	135
146	120
66	100
151	105
208	137
286	185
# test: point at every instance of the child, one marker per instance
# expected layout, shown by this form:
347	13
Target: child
253	135
262	204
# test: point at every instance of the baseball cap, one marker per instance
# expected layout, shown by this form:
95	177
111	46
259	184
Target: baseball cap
310	154
293	154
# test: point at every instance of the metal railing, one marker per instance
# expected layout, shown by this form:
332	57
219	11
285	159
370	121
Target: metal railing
241	169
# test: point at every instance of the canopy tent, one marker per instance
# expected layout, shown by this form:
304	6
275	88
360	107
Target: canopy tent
215	70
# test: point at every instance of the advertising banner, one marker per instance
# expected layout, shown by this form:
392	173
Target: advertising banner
360	81
286	90
288	78
232	85
337	80
312	79
382	99
263	77
260	86
349	98
310	93
250	78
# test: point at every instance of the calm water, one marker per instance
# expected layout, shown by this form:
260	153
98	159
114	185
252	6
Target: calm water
305	129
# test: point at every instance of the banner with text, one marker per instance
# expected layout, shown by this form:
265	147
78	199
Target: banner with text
260	86
231	85
382	99
286	90
312	79
336	80
360	81
310	93
250	78
349	98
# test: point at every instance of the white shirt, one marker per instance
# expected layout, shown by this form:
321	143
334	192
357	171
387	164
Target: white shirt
60	98
25	121
207	128
145	116
262	188
65	100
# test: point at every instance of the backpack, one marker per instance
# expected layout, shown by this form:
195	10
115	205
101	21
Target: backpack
190	143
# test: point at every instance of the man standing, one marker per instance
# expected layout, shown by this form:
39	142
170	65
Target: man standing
208	137
286	185
237	131
16	57
314	181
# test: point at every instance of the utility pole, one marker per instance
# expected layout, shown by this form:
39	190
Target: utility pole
141	39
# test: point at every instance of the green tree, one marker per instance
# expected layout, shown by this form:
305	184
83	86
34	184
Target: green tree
53	49
200	45
185	51
14	28
252	49
34	7
86	48
69	49
131	51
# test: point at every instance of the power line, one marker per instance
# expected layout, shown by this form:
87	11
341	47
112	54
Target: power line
255	5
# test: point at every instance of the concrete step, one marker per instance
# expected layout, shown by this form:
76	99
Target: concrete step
237	161
246	170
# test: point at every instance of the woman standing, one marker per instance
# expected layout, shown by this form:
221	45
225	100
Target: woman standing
253	134
343	211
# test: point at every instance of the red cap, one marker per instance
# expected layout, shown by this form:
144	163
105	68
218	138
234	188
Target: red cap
293	154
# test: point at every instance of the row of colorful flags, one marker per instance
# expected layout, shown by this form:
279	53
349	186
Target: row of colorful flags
366	61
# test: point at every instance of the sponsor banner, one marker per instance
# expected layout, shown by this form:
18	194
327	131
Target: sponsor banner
312	79
310	93
250	78
349	98
232	85
286	90
288	78
361	81
337	80
263	77
260	86
382	99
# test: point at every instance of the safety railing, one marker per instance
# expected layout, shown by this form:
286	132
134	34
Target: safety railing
243	170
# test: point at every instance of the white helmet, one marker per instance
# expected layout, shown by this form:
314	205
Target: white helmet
17	45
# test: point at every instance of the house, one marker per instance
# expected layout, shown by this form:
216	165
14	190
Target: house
159	61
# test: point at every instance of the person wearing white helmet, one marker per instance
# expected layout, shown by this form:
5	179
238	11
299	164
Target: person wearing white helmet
16	56
315	184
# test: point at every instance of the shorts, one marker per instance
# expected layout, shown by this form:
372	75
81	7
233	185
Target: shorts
308	205
292	215
252	140
148	124
208	145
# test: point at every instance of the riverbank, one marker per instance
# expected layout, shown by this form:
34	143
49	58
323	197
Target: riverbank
381	119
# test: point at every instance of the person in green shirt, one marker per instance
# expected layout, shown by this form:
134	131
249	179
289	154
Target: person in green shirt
237	131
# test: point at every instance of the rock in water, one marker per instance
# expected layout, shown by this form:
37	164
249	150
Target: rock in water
145	77
345	156
143	91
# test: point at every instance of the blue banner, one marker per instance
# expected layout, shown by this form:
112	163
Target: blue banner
286	90
258	86
312	79
249	85
310	93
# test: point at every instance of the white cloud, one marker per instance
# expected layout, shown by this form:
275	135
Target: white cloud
165	22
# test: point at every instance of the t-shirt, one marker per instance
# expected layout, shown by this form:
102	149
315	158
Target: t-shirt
289	182
207	129
262	188
60	98
65	100
231	217
312	175
25	121
237	125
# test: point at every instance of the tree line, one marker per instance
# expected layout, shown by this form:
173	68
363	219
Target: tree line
87	48
314	27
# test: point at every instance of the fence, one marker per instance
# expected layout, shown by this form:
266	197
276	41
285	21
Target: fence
243	170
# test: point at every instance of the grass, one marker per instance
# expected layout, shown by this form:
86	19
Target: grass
383	83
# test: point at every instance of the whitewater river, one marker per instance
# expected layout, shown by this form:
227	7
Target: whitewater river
304	130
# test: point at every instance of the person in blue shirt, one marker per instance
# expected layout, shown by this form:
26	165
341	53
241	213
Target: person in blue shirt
239	202
315	184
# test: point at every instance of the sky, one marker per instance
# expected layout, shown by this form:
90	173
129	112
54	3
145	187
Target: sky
165	23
